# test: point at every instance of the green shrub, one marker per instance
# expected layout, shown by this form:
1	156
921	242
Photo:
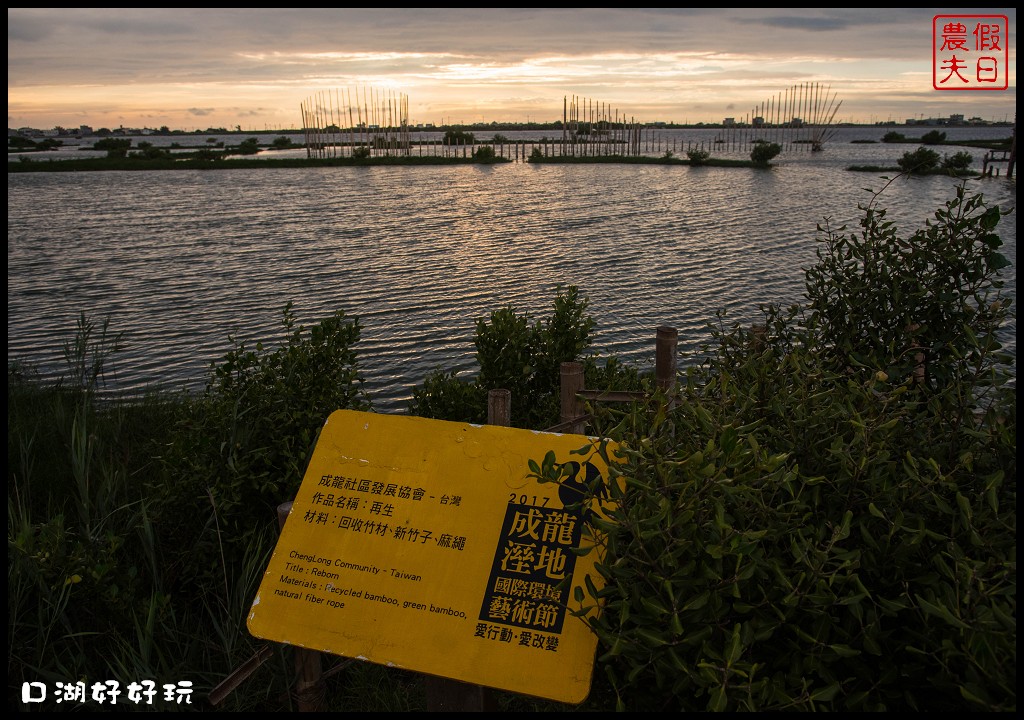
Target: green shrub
115	147
147	151
536	154
17	142
805	531
763	152
484	153
445	396
361	153
919	162
246	443
957	162
458	137
925	308
933	137
517	354
250	146
893	137
698	157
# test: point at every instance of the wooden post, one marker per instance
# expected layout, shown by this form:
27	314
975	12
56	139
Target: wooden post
1013	152
665	357
499	407
571	404
309	683
444	694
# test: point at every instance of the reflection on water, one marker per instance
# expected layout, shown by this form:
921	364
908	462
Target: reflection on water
182	260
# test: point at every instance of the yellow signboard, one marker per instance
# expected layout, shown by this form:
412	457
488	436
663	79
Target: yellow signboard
424	545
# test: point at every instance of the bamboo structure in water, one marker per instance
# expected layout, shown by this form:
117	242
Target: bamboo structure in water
367	122
590	129
799	117
377	122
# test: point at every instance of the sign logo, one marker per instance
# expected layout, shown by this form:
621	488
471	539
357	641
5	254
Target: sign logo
970	52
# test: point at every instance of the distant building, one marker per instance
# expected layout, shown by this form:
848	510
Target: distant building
729	122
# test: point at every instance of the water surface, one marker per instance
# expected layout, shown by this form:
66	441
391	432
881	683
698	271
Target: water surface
181	261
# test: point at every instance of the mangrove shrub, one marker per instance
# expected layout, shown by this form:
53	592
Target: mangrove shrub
808	523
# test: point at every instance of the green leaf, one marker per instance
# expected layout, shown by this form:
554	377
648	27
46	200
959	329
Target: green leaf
653	605
696	603
941	611
844	650
652	638
825	694
735	647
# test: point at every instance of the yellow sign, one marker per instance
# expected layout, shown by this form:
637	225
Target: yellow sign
424	545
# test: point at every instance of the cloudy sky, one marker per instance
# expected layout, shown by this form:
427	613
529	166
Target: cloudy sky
196	68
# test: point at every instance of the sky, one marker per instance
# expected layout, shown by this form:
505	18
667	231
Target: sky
255	68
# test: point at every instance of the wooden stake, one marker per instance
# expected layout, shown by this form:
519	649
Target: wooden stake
309	684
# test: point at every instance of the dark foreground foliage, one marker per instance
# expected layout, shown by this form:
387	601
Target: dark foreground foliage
825	518
821	515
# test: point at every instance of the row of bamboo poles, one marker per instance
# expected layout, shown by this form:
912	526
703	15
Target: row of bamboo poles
378	120
376	123
799	117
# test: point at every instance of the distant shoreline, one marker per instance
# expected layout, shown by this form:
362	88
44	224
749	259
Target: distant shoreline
134	164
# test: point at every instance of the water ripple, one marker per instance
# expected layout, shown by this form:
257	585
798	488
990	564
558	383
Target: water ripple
181	261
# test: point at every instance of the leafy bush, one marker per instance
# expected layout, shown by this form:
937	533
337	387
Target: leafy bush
207	153
957	162
698	157
893	137
251	146
247	442
484	153
17	142
115	147
536	154
933	137
920	161
763	153
458	137
148	151
927	307
445	396
361	153
811	527
514	353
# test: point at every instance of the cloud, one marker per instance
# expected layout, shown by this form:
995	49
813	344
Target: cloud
26	29
224	63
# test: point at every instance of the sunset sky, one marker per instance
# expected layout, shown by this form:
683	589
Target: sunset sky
193	69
